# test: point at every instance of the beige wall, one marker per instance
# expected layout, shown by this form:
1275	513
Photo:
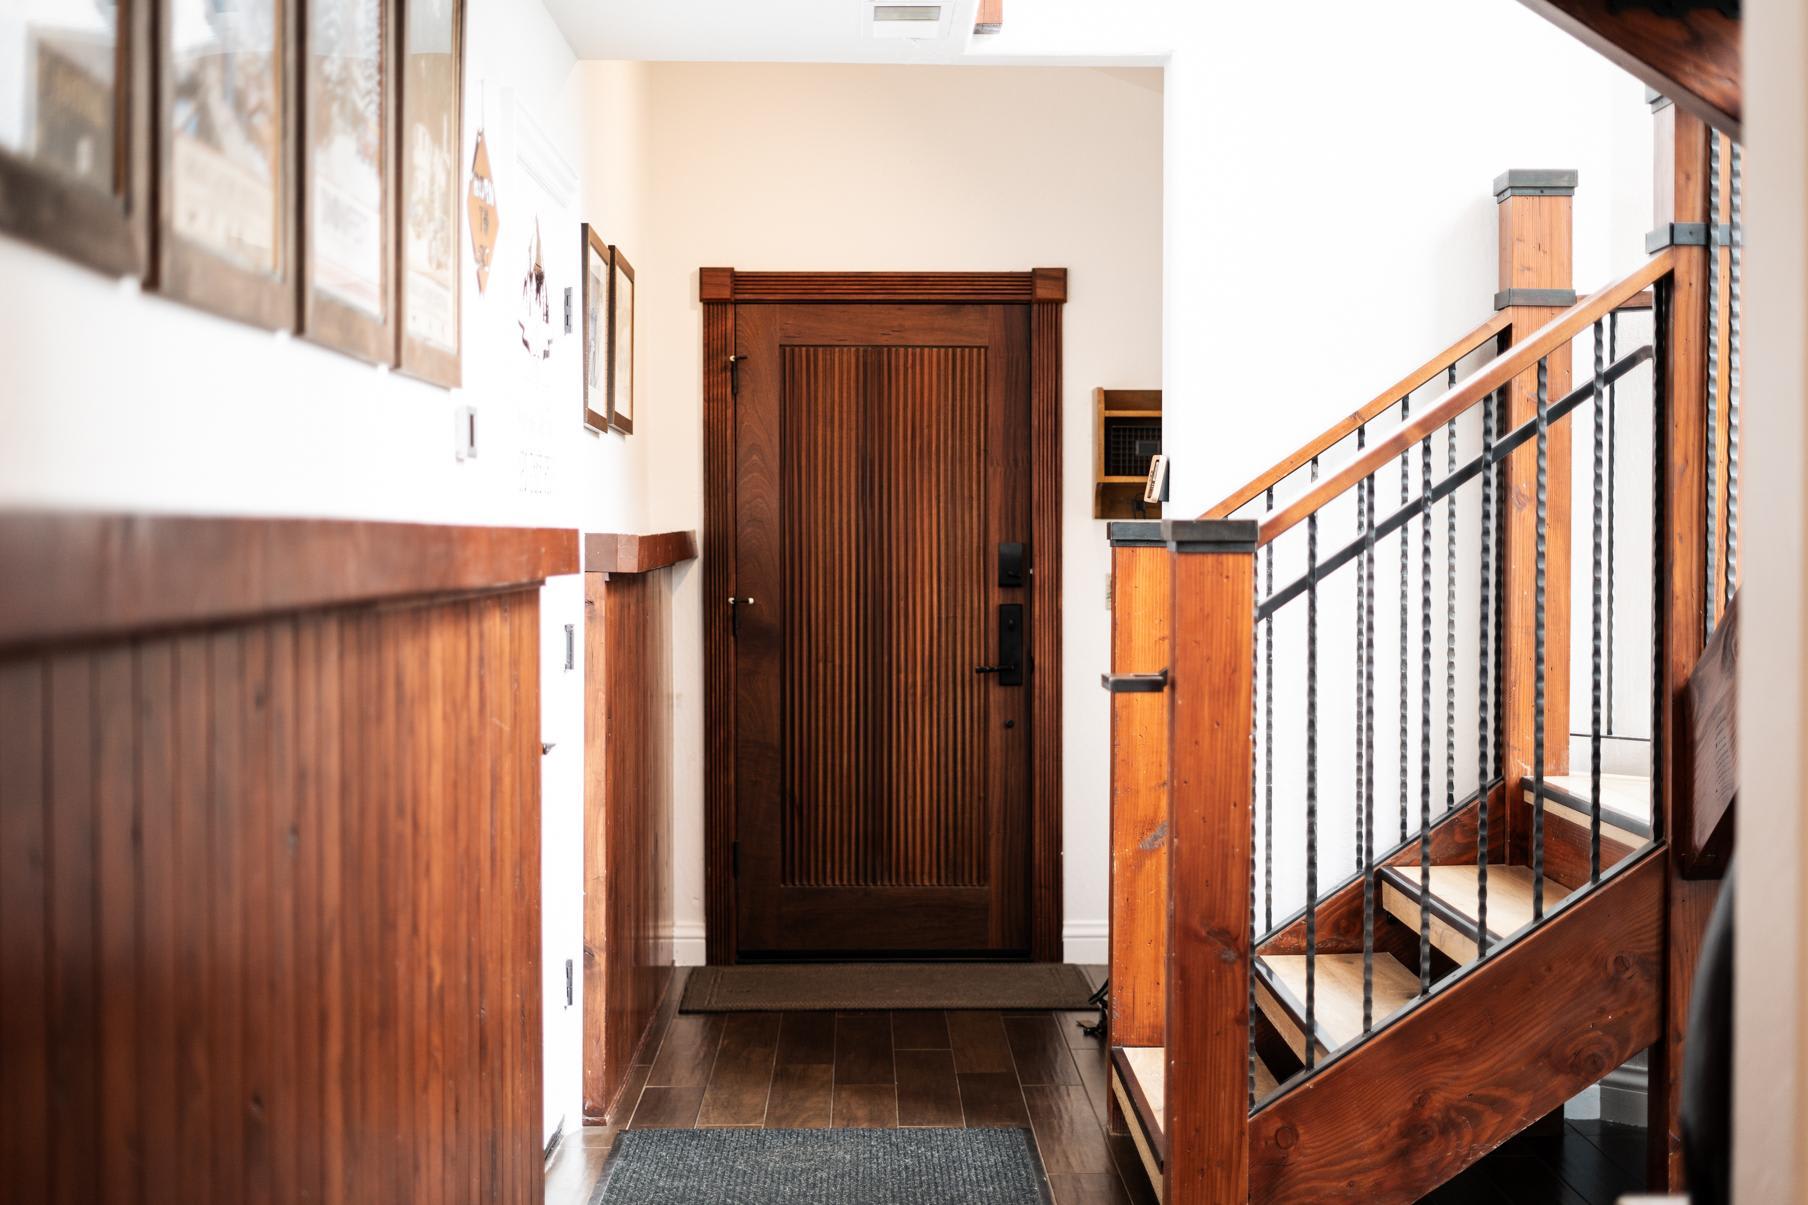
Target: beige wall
1771	910
790	167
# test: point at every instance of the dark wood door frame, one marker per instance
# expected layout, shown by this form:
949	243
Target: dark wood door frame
1044	291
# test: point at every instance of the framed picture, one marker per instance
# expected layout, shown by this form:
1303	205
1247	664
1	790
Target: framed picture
348	177
75	129
431	81
597	269
621	342
225	138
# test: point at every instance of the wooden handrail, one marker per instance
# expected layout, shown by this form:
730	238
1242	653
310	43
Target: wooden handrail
1519	358
1341	429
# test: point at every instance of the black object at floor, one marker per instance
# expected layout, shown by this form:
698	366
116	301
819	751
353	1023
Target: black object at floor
1707	1063
824	1167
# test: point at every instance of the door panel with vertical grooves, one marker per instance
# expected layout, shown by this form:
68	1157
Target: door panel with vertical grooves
876	772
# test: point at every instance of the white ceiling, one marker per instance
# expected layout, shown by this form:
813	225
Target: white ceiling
835	31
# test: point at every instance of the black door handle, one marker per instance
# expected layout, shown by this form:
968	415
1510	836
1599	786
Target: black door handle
1010	646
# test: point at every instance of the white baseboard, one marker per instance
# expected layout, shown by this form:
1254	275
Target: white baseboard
688	946
1086	942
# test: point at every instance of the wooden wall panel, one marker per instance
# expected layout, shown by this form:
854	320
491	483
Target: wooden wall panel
627	825
245	872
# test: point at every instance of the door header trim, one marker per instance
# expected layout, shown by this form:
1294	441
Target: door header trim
957	288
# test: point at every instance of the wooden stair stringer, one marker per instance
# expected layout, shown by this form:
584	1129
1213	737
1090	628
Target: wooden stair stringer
1485	1057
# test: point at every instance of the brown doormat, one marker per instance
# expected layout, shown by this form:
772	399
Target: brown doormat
823	986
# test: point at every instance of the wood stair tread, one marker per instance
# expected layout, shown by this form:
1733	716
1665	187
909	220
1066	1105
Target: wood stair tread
1337	1008
1139	1081
1625	804
1456	894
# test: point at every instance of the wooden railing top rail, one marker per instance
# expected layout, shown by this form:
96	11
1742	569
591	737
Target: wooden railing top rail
1418	378
1520	358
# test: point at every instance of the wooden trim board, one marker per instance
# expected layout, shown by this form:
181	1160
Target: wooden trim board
614	552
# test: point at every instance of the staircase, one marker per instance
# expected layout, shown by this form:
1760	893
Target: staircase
1368	920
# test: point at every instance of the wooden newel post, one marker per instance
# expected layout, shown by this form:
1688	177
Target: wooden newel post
1537	283
1210	789
1681	190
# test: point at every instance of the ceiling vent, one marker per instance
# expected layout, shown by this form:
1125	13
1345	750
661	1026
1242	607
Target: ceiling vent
922	22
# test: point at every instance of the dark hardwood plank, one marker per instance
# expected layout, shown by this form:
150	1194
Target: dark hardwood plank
193	880
688	1052
865	1107
24	952
802	1096
1088	1188
1039	1052
863	1050
663	1107
1067	1130
117	946
741	1081
928	1094
919	1031
979	1043
264	991
806	1038
992	1098
154	708
1623	1145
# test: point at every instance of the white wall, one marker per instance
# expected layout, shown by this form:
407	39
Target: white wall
790	167
1770	923
118	399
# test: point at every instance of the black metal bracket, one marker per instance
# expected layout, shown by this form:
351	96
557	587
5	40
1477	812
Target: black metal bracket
1556	298
1536	182
1677	234
734	375
1135	684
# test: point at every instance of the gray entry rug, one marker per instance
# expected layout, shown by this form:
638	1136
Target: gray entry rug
823	1167
900	986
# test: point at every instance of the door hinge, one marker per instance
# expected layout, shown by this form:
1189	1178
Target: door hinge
734	375
735	859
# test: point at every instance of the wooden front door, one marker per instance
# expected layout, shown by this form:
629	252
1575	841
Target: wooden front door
881	715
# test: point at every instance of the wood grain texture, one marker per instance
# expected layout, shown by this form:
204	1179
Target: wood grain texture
1433	369
726	285
1462	1073
616	552
269	909
1682	196
721	936
95	575
1536	241
1692	58
1045	389
1209	853
1512	363
1141	601
1708	742
627	825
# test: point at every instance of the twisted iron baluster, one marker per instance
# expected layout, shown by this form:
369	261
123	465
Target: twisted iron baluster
1594	726
1312	783
1482	725
1710	462
1366	789
1424	716
1450	620
1405	498
1361	526
1613	477
1255	936
1544	454
1734	350
1268	740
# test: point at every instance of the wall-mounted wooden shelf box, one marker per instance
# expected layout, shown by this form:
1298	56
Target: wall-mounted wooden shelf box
1126	432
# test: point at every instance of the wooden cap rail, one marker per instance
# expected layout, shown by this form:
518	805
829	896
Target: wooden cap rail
614	552
71	575
1520	358
1418	378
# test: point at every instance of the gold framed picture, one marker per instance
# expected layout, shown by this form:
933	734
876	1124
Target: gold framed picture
75	129
225	145
621	342
598	267
431	83
348	177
